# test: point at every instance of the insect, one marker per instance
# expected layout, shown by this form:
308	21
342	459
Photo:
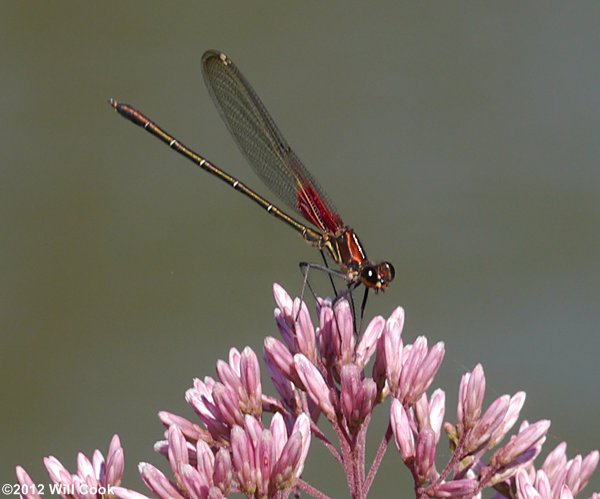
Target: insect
281	170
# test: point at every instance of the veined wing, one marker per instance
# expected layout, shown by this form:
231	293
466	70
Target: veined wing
262	143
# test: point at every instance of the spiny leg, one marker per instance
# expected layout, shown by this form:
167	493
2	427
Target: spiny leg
330	275
362	307
305	268
348	292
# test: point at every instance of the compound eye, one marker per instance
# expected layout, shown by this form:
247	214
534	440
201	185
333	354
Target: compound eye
369	275
391	271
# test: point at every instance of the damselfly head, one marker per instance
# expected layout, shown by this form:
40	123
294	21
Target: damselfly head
377	276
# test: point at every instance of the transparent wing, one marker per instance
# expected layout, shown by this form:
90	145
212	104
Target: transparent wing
262	143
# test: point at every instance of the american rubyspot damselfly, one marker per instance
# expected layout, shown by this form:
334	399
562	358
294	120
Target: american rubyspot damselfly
281	170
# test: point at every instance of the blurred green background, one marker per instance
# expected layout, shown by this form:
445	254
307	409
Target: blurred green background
459	139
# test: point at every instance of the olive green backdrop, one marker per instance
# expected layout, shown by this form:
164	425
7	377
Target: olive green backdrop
459	139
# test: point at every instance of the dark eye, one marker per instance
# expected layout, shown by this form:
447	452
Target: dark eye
369	274
391	271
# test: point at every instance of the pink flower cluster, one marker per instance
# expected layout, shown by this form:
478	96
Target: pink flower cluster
258	462
234	451
329	371
330	365
558	477
94	478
